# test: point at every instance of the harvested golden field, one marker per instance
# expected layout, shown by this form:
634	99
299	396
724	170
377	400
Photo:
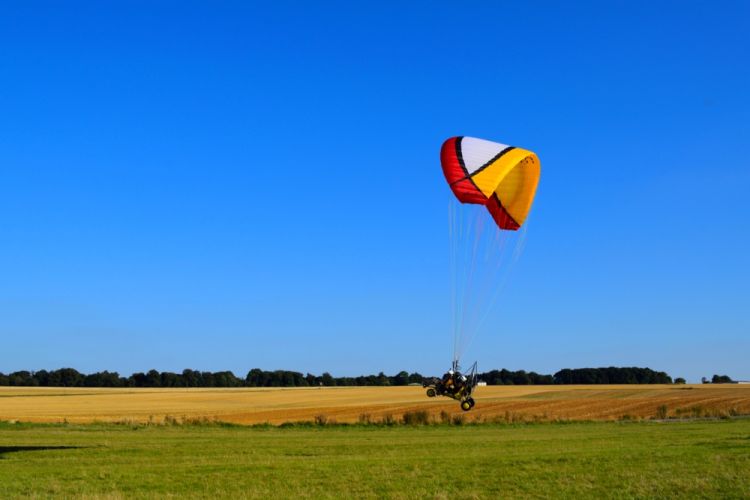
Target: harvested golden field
350	404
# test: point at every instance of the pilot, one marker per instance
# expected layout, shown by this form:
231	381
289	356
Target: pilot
460	381
448	381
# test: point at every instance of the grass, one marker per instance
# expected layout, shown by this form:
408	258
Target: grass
592	460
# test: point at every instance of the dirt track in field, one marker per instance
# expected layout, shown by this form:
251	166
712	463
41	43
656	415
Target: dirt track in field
350	404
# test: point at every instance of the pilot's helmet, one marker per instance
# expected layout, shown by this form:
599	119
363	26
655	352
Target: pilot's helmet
450	372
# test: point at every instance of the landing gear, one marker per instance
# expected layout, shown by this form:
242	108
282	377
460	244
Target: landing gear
454	385
467	404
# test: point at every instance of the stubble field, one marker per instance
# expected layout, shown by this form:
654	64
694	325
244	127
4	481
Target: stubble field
355	404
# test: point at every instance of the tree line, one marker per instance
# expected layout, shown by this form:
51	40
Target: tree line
718	379
69	377
611	375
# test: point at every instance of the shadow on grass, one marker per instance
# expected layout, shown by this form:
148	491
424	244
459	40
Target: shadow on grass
15	449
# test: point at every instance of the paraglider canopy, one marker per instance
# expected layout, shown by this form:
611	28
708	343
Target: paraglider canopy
501	177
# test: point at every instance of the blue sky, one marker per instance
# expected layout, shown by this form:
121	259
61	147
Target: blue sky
235	185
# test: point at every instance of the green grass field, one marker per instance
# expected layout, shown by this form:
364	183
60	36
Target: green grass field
638	459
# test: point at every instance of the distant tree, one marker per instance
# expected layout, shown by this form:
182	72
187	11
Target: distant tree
704	380
138	379
65	377
402	378
103	379
169	379
207	379
721	379
679	380
300	380
521	378
226	379
152	379
4	381
254	378
327	379
114	379
190	378
564	376
42	378
538	379
274	378
287	379
21	378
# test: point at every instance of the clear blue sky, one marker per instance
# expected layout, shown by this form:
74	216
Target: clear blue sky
228	185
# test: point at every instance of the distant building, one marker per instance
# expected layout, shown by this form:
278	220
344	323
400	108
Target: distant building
482	383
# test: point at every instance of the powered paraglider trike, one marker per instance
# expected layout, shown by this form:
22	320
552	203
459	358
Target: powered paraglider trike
493	187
